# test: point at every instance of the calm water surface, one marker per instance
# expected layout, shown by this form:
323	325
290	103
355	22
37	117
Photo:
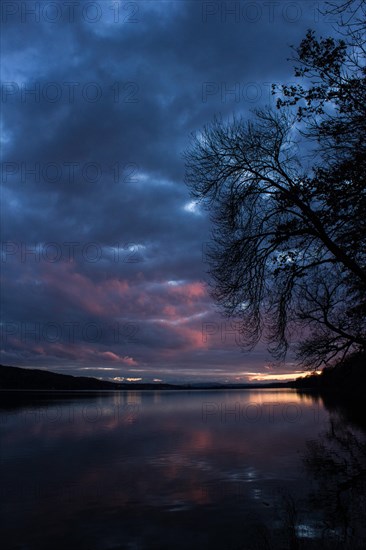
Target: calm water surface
160	470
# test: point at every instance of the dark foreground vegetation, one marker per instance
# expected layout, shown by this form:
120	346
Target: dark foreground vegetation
346	377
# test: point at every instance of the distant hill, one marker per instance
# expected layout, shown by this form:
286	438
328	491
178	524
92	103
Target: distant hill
16	378
348	377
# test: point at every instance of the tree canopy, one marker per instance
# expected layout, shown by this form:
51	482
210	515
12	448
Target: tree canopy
287	194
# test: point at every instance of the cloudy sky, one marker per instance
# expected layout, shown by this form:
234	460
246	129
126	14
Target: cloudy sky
103	251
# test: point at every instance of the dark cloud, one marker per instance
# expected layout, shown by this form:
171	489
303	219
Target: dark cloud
99	231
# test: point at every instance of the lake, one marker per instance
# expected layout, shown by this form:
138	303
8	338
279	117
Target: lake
220	469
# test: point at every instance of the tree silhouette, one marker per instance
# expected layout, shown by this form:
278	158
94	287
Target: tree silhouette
287	195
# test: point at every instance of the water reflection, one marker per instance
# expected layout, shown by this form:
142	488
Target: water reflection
159	470
337	462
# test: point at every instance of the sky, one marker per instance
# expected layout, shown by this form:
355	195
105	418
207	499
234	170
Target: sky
102	250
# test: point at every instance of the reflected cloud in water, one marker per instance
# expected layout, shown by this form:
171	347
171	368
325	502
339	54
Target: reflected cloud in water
190	469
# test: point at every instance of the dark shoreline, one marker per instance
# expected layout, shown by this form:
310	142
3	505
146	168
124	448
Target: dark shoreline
347	379
340	388
26	380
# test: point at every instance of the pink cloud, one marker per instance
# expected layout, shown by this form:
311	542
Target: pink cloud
126	360
129	360
98	298
190	290
170	311
110	355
